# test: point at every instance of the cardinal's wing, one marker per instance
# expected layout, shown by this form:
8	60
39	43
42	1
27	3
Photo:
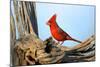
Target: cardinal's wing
62	32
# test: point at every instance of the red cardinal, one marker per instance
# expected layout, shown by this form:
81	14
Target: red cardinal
57	32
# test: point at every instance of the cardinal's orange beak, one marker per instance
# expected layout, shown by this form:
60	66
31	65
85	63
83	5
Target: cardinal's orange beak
47	23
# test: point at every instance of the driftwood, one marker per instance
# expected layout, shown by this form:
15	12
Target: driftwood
34	51
29	49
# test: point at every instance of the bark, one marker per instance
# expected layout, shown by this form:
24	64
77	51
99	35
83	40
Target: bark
29	49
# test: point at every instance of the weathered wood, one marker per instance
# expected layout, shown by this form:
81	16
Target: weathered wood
35	49
82	52
30	6
12	37
22	23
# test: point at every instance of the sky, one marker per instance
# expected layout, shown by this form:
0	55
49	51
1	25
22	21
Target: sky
77	20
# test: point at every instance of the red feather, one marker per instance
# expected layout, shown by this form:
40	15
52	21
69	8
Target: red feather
57	32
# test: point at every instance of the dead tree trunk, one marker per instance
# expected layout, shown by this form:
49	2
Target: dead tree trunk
30	50
23	20
30	6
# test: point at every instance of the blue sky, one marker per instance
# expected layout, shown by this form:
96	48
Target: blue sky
76	20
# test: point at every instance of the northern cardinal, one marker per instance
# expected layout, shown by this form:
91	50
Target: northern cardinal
57	32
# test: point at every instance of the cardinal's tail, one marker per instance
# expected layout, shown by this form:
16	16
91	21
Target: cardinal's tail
76	40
